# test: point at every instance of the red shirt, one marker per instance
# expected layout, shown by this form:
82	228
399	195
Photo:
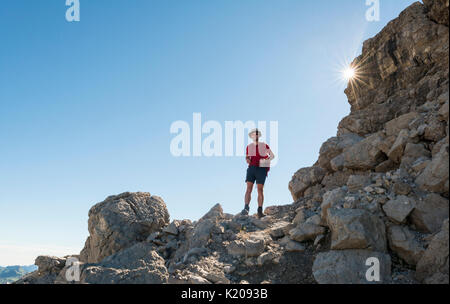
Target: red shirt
257	152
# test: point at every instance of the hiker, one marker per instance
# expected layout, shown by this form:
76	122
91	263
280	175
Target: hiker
258	156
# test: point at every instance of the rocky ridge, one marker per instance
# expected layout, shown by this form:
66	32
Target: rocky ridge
378	190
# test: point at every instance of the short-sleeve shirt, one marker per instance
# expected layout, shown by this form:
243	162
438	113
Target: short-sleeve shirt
256	152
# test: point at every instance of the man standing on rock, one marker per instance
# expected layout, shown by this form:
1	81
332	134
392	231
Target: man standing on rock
258	157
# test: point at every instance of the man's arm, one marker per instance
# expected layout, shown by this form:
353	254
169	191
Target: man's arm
270	154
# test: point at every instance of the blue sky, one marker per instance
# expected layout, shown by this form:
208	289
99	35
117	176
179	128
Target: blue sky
86	107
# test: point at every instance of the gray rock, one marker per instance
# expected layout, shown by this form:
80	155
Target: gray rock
435	176
303	179
293	246
203	229
365	155
334	146
306	232
397	149
253	245
396	125
172	228
430	212
358	182
278	230
331	199
404	243
49	263
349	267
138	264
121	221
398	209
433	267
356	229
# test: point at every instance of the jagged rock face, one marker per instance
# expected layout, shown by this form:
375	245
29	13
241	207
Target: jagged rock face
401	68
437	10
121	221
384	179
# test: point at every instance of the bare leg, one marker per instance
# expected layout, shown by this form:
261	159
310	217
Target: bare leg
260	195
248	193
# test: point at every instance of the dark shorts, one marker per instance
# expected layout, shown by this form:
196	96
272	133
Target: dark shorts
257	174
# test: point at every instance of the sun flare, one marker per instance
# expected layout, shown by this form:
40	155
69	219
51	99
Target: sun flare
349	73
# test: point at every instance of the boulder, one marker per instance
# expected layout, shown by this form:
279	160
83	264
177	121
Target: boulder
435	176
400	123
334	146
278	230
306	232
303	179
203	229
138	264
404	243
172	228
430	212
356	229
358	182
365	155
251	245
121	221
396	152
331	199
398	209
350	267
433	267
413	152
49	264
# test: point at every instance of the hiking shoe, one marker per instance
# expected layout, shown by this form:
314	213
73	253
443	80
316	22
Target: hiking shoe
244	212
260	213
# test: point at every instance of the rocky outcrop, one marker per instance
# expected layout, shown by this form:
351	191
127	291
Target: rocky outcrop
138	264
384	182
373	208
120	221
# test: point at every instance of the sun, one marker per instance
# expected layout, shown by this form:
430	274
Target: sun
349	73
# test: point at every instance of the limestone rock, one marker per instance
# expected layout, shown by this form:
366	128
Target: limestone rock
349	267
356	229
138	264
330	199
121	221
365	155
306	232
435	176
334	146
358	182
403	242
203	229
303	179
398	209
252	245
433	267
430	212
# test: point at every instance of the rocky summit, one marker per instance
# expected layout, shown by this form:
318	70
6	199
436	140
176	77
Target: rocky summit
377	196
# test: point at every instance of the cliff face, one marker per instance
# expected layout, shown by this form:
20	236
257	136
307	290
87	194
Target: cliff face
379	191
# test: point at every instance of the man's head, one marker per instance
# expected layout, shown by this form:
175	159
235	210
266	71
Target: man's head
255	134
